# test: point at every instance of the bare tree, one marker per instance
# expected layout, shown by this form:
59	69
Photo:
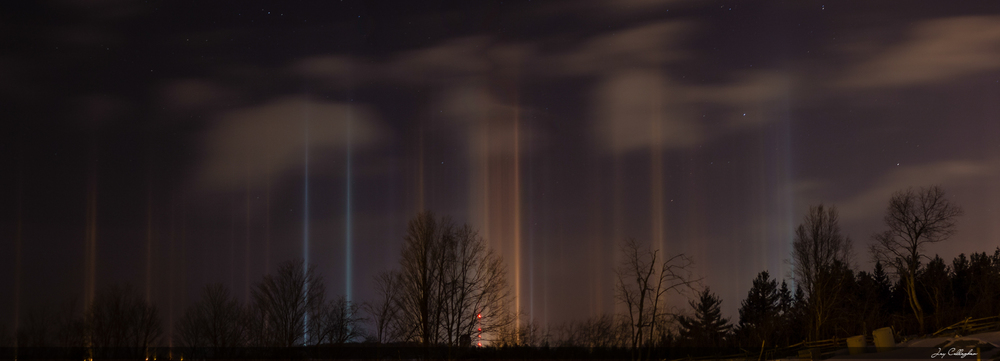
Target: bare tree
281	304
528	334
120	321
417	279
383	313
477	292
450	283
217	320
818	249
337	322
601	331
644	281
915	218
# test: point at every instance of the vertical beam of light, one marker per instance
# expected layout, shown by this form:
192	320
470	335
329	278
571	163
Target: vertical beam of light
597	228
90	252
532	246
232	242
170	269
788	195
421	206
246	241
517	209
181	296
656	175
267	205
149	241
305	220
518	256
617	236
17	248
348	267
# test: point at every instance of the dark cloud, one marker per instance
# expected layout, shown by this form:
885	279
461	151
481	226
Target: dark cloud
270	140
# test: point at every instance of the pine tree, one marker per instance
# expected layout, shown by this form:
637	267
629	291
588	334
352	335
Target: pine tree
795	319
882	280
760	312
784	299
707	328
935	284
785	303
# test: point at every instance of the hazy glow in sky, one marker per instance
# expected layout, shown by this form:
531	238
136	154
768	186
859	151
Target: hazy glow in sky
164	144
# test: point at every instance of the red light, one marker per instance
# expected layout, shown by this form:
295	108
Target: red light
479	315
480	330
480	336
480	344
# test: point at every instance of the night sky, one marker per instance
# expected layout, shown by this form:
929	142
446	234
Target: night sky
170	144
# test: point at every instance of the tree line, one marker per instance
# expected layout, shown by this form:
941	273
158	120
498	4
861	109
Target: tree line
450	289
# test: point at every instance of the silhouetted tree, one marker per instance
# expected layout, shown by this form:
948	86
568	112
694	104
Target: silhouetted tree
785	303
121	323
935	282
871	299
760	313
450	283
384	312
281	303
960	280
983	288
817	247
843	321
337	322
915	218
44	326
644	281
596	332
797	318
475	292
217	320
707	328
527	334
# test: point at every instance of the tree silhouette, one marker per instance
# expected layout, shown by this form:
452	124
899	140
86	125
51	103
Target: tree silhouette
645	297
120	323
817	247
707	328
384	311
450	283
935	281
761	313
871	299
337	322
983	287
217	320
915	218
281	304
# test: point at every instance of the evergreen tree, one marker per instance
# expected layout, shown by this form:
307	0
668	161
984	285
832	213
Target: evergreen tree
760	312
796	319
707	328
935	282
960	280
784	299
882	281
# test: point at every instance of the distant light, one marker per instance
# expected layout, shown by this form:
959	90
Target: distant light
480	344
479	315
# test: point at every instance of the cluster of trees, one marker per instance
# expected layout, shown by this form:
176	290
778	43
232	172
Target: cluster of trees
450	289
118	319
908	290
